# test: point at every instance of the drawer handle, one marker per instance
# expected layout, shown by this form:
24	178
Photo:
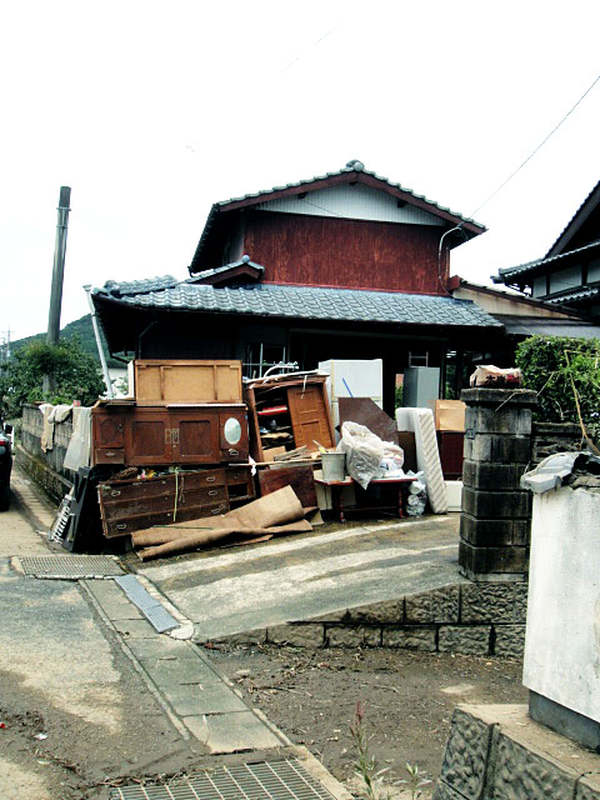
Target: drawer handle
110	453
115	493
213	492
211	479
233	452
122	526
217	510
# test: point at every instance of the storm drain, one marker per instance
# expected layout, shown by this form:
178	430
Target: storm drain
69	568
265	780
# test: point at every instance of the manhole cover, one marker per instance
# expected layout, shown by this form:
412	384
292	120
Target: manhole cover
265	780
70	568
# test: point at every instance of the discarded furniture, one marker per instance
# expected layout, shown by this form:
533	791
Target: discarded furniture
130	505
450	431
289	411
123	433
161	382
370	499
299	477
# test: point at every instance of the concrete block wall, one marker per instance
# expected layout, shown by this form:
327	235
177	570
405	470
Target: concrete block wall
496	512
46	469
498	753
473	618
553	437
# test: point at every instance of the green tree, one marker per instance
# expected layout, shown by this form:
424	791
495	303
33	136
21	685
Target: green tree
76	376
566	375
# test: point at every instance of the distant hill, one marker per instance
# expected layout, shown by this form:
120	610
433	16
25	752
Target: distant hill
83	330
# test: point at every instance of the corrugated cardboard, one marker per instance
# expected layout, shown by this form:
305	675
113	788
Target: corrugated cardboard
450	415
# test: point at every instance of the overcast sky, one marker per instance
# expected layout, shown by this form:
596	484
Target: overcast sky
152	111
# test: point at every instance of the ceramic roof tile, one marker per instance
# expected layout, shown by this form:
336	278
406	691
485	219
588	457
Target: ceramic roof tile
507	273
302	302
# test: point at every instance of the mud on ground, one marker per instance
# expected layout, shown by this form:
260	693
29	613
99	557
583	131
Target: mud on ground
408	699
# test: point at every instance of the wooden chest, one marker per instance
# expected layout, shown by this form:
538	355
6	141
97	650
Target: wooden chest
169	435
130	505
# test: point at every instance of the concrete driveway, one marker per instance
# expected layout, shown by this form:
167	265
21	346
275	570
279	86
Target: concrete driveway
240	589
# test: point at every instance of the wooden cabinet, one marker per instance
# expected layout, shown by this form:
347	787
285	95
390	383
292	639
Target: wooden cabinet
157	382
161	436
290	412
131	505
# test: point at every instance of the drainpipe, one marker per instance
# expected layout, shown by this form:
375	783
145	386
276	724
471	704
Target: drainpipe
105	373
440	253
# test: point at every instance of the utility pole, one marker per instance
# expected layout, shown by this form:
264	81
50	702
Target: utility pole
58	271
58	268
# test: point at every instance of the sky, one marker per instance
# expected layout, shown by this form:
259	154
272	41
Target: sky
151	111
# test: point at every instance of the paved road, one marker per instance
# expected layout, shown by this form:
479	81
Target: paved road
236	590
81	666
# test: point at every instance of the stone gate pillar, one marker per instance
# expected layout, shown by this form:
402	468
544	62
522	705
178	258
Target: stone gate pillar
496	513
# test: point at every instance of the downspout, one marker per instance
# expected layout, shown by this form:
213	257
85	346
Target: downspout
440	253
105	373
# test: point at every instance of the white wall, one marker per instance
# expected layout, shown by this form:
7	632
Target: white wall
562	643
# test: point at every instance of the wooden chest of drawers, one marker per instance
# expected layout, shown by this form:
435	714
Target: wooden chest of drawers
131	505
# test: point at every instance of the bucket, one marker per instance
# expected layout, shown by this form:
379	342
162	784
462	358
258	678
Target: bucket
333	465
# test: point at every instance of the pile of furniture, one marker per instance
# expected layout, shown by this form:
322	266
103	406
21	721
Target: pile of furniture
183	437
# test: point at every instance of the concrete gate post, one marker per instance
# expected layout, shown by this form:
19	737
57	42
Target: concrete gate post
496	513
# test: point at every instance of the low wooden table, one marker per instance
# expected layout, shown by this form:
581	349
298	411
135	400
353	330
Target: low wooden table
401	485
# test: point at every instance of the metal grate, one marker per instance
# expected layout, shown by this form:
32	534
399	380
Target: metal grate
265	780
69	568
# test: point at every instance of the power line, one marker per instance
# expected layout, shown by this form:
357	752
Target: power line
538	148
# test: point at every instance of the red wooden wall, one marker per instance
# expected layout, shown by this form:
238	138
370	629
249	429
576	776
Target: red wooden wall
318	251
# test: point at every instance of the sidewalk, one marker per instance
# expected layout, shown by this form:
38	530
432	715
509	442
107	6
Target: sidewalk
110	697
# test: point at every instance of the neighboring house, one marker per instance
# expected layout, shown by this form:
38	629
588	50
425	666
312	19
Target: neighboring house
569	273
348	265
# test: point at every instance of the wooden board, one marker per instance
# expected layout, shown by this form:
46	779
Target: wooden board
365	412
160	382
300	478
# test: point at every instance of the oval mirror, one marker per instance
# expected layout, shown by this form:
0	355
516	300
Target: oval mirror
232	430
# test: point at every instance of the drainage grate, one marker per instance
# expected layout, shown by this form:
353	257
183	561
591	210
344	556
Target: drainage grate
69	568
265	780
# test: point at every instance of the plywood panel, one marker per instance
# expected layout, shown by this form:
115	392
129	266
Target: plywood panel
187	381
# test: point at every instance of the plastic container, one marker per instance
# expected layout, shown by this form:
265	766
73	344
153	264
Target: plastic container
333	466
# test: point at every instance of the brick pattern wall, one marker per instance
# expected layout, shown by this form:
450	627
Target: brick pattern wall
473	618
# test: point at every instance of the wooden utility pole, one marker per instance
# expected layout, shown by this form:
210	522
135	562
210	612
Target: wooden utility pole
58	269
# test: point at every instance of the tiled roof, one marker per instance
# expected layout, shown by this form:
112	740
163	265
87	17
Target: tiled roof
574	295
139	287
209	273
578	218
506	274
352	166
354	170
301	302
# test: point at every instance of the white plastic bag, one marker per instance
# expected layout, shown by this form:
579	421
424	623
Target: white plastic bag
364	452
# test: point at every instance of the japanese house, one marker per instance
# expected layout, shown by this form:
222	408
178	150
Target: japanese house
569	274
347	265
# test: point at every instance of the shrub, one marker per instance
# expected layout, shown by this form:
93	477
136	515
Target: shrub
75	376
565	373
